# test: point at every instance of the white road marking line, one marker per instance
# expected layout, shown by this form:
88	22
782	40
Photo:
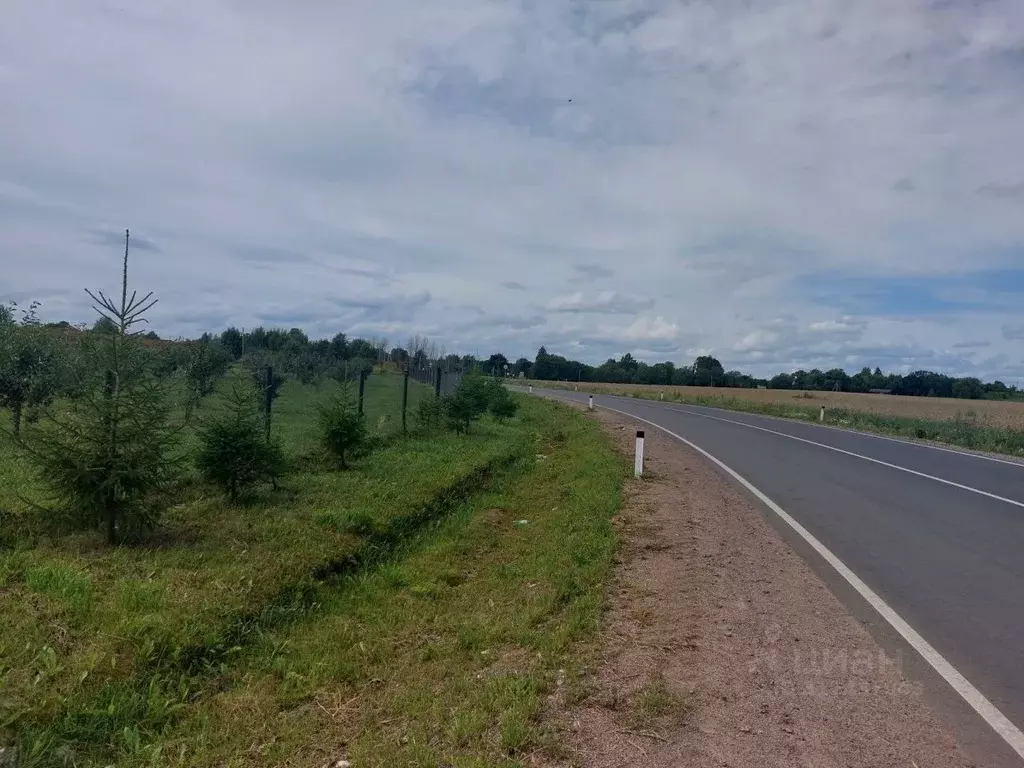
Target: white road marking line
975	698
851	453
929	446
901	441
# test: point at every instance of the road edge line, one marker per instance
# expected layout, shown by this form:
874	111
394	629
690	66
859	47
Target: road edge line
988	711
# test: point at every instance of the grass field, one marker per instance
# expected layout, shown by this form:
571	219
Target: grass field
373	608
989	425
294	414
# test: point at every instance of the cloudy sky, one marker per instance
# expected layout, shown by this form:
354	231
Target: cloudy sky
784	184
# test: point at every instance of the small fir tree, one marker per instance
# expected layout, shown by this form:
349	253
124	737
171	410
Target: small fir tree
342	428
233	452
108	454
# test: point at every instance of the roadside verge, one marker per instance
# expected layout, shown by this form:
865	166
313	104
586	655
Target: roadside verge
722	647
442	654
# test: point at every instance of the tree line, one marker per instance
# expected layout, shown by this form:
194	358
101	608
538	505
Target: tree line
43	361
707	371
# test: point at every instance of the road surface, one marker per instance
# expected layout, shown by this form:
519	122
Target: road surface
937	535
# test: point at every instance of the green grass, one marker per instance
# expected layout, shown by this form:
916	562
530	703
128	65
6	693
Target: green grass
382	408
98	642
654	702
70	587
967	430
405	585
442	654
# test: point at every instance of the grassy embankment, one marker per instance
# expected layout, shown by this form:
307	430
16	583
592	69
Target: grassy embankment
969	427
396	608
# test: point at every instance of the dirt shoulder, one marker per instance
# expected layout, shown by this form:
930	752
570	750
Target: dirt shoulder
721	647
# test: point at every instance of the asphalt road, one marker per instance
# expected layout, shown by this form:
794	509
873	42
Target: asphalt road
937	534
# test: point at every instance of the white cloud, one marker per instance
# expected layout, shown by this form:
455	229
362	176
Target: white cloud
714	156
645	329
756	340
604	302
842	326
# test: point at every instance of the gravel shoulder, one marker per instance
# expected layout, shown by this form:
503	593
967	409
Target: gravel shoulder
721	647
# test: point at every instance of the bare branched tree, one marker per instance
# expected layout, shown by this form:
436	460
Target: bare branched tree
417	344
380	344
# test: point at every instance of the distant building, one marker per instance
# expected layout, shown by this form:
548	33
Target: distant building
880	391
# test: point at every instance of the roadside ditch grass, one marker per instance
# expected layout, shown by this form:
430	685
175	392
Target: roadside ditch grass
445	653
967	430
156	654
82	623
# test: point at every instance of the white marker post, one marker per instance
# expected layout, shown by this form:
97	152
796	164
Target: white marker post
590	403
663	395
530	388
821	414
638	462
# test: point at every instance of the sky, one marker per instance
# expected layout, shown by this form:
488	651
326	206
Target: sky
781	184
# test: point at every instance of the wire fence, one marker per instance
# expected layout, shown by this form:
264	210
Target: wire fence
443	380
387	396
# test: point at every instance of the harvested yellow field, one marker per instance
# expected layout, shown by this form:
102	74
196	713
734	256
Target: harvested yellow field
1001	413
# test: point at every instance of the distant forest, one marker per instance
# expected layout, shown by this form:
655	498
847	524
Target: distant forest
707	371
307	359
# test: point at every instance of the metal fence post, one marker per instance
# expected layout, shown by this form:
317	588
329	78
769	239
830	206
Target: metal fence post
362	387
268	400
405	398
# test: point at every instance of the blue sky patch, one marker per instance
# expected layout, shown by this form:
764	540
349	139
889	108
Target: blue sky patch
913	296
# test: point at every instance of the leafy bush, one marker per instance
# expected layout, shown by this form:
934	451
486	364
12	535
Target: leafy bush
350	370
309	367
475	396
170	358
233	451
207	363
265	374
31	371
342	429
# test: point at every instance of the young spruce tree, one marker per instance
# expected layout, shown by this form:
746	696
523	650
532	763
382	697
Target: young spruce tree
109	454
233	451
342	427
